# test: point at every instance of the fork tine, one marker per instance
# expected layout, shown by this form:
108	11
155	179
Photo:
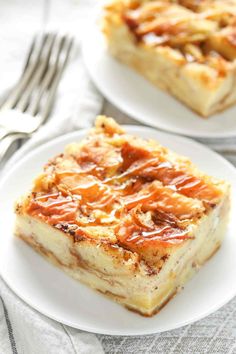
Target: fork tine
47	79
62	62
30	54
36	89
38	74
29	68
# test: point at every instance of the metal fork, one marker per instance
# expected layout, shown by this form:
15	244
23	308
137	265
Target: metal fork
29	103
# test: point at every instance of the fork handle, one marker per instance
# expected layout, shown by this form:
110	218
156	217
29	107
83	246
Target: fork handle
7	141
3	132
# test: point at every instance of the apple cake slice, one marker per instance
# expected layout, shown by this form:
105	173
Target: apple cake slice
125	216
185	47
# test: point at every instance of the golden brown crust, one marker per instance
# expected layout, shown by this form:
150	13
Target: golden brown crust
196	39
122	191
184	28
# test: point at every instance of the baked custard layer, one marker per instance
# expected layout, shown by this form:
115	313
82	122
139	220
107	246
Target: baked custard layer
185	47
125	215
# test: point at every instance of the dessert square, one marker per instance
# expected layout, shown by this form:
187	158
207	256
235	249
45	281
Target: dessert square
125	216
184	47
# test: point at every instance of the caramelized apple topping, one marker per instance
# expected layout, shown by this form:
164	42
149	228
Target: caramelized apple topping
188	26
125	184
162	229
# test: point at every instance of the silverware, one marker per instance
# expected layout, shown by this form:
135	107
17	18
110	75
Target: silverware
30	102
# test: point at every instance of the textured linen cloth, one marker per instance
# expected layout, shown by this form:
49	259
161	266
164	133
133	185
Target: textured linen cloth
22	329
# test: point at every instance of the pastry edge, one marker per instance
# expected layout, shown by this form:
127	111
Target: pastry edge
210	94
114	286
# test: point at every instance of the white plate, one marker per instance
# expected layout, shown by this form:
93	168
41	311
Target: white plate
141	100
56	295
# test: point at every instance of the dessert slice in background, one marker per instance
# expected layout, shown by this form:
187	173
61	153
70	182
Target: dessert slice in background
186	48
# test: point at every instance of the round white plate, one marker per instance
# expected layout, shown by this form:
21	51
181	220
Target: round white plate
138	98
56	295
